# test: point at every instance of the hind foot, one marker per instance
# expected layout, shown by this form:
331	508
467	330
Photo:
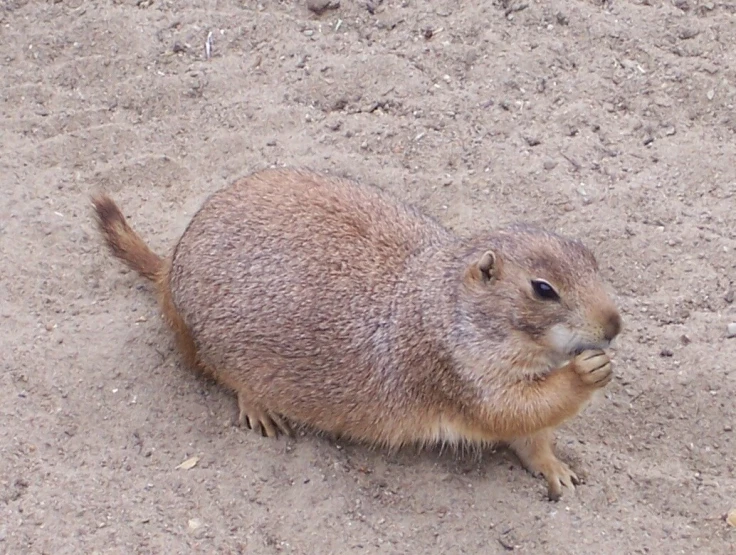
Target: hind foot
537	456
260	420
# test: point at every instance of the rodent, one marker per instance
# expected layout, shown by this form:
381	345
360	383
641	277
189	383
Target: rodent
329	304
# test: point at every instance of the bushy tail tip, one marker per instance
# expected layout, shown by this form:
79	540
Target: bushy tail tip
125	243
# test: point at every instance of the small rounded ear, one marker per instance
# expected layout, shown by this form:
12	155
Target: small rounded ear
487	264
486	269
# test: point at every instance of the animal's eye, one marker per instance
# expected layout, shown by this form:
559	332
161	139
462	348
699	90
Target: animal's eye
544	290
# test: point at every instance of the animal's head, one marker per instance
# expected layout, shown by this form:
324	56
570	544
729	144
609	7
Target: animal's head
546	287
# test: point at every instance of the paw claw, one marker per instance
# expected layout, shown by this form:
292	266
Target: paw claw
537	456
281	424
559	475
261	421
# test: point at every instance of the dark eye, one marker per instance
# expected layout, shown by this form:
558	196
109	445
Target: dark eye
544	290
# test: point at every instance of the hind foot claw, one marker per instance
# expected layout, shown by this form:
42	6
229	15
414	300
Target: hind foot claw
260	420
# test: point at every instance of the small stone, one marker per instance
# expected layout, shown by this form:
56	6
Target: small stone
666	353
532	140
728	428
194	523
729	296
688	33
710	94
549	165
731	518
731	329
339	104
321	6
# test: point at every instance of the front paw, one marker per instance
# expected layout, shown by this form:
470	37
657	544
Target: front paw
594	368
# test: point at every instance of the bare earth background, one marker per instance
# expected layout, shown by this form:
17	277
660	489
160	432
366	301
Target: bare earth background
614	122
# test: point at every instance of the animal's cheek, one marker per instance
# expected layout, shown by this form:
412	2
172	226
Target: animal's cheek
561	337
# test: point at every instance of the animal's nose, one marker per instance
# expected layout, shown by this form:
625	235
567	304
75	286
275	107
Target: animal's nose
612	326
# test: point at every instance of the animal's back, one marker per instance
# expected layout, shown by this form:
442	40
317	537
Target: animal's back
289	283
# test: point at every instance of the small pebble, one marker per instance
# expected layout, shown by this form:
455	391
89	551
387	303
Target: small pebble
666	353
688	33
320	6
731	329
549	165
731	518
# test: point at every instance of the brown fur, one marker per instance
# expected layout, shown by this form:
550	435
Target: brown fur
331	305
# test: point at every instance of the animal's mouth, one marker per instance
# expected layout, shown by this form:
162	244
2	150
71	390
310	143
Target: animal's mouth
567	342
600	345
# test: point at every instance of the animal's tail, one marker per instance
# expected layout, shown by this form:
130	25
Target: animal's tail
125	243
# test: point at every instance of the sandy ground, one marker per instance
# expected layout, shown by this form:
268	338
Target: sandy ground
613	121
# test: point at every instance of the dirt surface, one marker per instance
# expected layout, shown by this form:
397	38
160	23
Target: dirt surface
614	122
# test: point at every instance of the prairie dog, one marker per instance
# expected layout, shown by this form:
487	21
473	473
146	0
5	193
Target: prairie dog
325	303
